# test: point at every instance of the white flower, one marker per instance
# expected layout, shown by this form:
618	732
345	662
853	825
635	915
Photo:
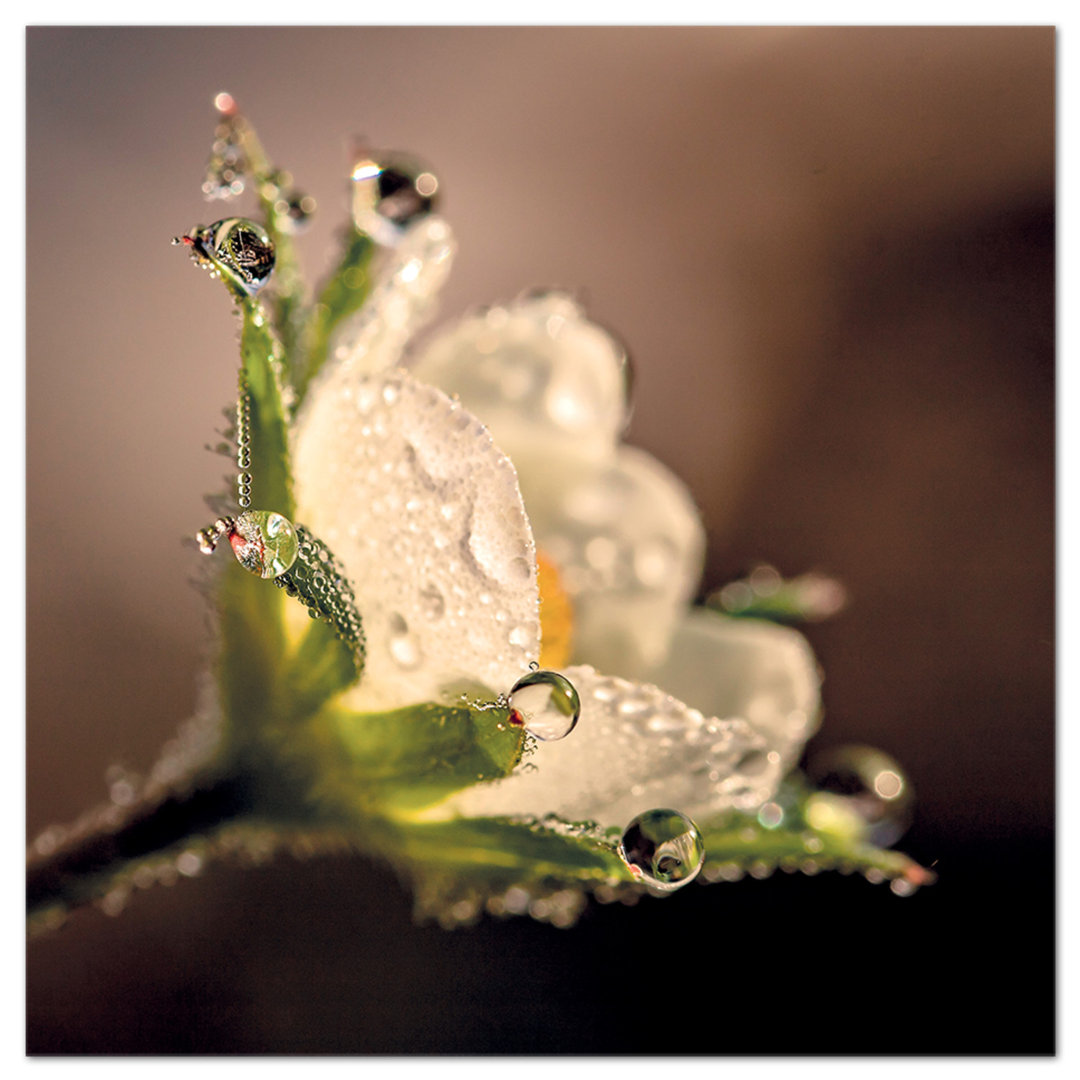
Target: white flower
415	492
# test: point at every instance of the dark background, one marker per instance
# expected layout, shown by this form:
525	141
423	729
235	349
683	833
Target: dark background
831	252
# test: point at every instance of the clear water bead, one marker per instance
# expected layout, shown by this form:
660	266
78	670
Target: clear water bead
663	848
390	191
870	783
546	704
264	542
242	246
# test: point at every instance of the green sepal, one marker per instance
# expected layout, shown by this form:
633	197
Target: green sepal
342	295
807	598
499	853
354	768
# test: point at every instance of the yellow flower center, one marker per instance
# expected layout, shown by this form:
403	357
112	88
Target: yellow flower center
556	616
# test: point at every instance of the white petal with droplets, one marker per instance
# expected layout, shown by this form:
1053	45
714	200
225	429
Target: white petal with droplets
635	748
751	668
549	383
412	495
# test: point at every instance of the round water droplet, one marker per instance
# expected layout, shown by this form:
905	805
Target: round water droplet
242	246
390	191
663	848
403	644
264	542
872	784
546	704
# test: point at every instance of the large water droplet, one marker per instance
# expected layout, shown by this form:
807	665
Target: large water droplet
390	191
870	783
242	246
264	542
663	848
546	704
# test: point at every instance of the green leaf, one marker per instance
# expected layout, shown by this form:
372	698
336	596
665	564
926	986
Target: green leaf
342	295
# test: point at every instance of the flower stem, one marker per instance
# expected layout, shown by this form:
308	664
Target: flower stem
108	844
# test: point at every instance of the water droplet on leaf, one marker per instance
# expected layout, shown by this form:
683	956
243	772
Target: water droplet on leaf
390	191
546	704
871	784
663	848
264	542
242	246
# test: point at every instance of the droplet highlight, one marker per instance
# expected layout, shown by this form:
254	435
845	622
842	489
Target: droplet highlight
546	704
663	848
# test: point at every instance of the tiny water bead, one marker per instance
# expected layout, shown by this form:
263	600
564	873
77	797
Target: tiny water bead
241	246
390	191
870	783
546	704
663	848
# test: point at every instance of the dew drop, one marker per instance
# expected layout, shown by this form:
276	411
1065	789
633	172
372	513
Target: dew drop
264	542
871	784
663	848
432	602
390	192
404	647
242	246
546	704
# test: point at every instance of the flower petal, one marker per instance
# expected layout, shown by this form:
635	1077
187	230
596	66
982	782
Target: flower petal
765	673
634	748
425	514
629	547
402	300
550	384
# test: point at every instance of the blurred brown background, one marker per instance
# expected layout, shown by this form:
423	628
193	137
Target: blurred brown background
831	253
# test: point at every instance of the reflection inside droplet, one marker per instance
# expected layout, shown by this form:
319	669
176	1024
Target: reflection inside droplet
546	704
663	848
264	542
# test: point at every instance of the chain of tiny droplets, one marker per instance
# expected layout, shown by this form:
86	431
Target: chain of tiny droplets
318	580
243	445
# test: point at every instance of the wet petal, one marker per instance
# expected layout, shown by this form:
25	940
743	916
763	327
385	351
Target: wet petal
629	547
424	512
765	673
401	302
635	747
550	384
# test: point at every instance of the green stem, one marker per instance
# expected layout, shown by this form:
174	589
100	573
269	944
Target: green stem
98	854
